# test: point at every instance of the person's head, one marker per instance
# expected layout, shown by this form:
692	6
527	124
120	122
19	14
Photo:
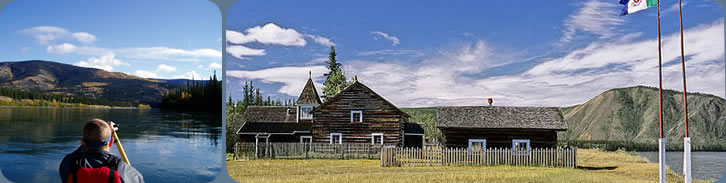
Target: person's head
97	135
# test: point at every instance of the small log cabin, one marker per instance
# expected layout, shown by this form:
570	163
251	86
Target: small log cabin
499	126
357	114
281	123
264	124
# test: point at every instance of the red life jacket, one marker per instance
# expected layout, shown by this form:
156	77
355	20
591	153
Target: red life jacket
106	173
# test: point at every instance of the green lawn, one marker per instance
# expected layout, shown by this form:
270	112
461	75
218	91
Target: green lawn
596	166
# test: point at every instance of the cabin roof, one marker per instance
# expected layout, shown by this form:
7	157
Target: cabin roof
309	94
500	117
277	114
358	84
413	128
274	128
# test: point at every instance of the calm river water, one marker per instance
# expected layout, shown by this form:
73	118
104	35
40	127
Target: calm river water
164	146
704	165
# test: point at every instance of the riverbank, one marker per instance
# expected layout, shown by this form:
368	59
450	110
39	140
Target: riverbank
9	102
593	166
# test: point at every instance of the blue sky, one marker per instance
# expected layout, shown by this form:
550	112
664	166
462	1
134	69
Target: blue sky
434	53
153	39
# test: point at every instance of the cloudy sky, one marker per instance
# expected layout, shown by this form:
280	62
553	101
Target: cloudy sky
153	39
537	53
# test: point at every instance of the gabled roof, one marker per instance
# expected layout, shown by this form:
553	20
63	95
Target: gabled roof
358	84
309	95
278	114
500	117
274	128
272	120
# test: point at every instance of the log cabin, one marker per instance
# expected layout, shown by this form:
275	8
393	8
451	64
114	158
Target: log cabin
356	114
500	126
281	123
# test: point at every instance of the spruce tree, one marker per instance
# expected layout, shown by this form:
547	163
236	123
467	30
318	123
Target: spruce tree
335	78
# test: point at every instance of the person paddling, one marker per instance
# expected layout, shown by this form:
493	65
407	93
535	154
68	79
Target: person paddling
92	161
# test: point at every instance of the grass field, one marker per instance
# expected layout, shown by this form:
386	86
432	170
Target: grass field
595	166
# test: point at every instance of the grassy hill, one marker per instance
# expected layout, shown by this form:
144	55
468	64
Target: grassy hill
630	115
65	79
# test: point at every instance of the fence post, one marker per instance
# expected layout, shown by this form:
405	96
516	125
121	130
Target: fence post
235	150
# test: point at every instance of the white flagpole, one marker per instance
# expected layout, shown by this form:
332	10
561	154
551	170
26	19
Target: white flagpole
661	140
686	138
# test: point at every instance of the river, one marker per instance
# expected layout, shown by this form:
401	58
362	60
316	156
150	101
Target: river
704	165
163	146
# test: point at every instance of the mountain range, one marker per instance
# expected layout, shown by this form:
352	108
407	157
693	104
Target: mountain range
65	79
631	114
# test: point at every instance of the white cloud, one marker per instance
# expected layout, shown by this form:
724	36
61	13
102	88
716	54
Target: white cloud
391	38
45	34
105	62
571	79
211	66
215	65
267	34
321	40
393	52
453	77
189	75
84	37
146	74
674	7
61	48
595	17
165	68
240	51
165	53
292	78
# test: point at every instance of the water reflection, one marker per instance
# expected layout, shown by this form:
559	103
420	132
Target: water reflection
164	146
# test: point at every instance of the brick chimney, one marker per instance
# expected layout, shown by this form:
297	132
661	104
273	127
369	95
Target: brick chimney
490	100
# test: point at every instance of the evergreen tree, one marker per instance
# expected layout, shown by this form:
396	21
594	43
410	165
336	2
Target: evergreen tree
335	78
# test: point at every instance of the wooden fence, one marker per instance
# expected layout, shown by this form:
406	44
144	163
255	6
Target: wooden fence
554	157
307	151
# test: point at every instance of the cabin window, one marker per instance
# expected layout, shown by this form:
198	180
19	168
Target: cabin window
336	138
305	112
377	138
306	139
356	116
477	144
520	144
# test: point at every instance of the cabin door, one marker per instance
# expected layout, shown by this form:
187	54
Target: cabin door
477	144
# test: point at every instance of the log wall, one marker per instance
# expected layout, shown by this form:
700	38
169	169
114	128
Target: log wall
501	138
379	116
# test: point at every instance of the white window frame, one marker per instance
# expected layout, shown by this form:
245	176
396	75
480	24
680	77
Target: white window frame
300	112
373	137
483	143
304	139
515	141
340	137
360	116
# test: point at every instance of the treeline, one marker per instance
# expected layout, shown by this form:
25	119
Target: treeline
635	146
235	110
31	98
195	96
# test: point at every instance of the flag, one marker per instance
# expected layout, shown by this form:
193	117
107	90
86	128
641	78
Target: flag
632	6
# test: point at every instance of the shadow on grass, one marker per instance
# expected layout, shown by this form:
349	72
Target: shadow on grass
597	168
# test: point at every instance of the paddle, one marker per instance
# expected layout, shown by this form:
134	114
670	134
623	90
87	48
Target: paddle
120	148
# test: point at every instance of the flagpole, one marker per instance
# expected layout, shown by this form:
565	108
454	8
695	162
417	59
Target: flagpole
686	139
661	141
